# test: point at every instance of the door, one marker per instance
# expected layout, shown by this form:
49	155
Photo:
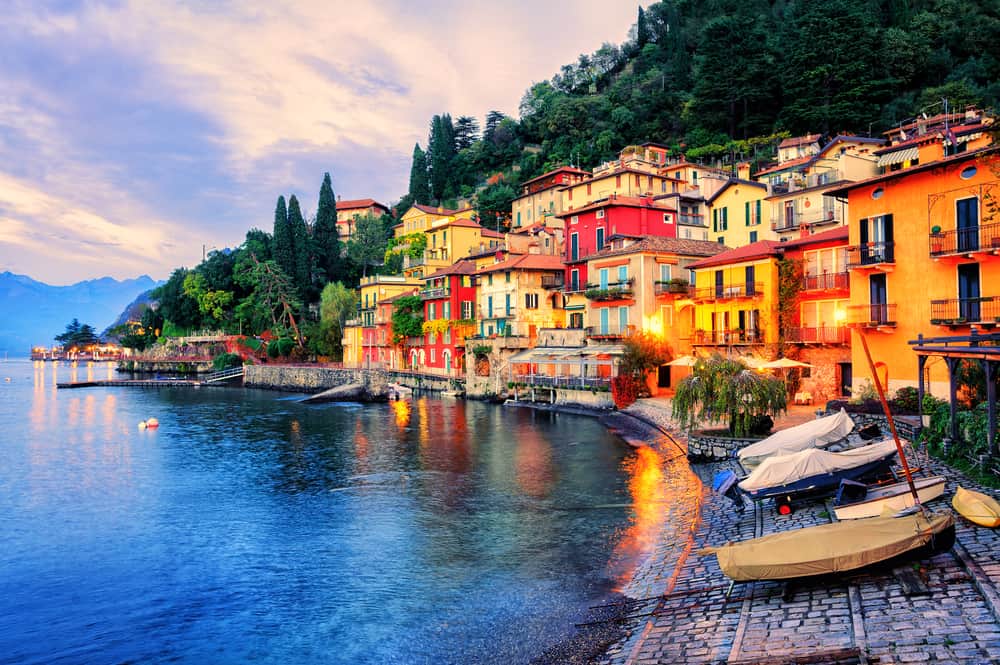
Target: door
877	291
968	292
604	320
663	377
967	223
718	284
750	276
846	378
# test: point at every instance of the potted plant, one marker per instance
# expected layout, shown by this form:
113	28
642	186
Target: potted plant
937	239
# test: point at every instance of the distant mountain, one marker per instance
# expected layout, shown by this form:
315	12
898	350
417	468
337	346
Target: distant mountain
33	313
132	312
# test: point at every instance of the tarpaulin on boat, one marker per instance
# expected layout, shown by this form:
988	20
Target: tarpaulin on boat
784	469
817	433
830	548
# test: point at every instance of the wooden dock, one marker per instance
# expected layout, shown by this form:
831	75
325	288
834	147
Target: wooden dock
138	383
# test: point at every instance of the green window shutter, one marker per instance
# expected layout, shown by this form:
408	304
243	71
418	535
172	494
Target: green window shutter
746	211
715	220
758	211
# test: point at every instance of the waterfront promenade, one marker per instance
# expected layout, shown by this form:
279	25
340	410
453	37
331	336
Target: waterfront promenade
942	610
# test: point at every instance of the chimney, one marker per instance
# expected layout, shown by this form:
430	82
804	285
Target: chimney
804	230
743	170
338	198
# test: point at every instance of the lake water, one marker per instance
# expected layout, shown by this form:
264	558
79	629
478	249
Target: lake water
252	527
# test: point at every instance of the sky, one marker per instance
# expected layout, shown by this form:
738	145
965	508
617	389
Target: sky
134	135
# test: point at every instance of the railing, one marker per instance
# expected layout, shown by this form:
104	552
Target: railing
613	290
870	254
413	261
873	315
352	323
670	287
692	220
963	311
552	281
819	335
565	382
727	337
785	222
730	291
980	238
826	280
224	375
440	292
612	330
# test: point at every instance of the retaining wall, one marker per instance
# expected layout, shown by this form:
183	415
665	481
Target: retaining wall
711	448
313	379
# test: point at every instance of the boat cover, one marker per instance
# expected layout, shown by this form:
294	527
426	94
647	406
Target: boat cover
829	548
817	433
977	507
784	469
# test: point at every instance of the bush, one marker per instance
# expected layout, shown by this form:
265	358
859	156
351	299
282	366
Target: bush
624	390
226	360
906	400
280	347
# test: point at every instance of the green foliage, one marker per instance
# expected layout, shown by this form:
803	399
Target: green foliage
77	335
643	353
337	304
226	360
283	246
280	347
368	244
420	184
493	205
212	304
907	399
790	275
301	267
722	389
407	318
481	350
142	335
176	306
326	240
440	153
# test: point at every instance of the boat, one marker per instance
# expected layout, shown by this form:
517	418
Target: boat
879	499
818	433
451	394
977	507
816	471
836	547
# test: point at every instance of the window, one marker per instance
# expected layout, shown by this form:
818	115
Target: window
665	272
432	311
506	302
720	240
444	238
433	354
600	238
531	301
603	276
724	219
467	309
667	316
489	307
574	219
753	236
576	320
506	276
447	336
588	189
668	218
622	274
574	246
967	172
618	181
604	321
489	279
446	307
600	214
574	280
622	319
519	218
751	286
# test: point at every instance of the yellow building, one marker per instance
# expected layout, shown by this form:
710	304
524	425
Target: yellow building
519	295
421	218
736	298
348	213
624	181
735	213
540	199
448	240
362	336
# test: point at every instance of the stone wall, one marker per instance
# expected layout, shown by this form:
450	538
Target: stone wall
419	381
711	448
313	379
824	379
908	427
166	366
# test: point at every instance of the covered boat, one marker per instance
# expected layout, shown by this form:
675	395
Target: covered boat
816	470
836	547
977	507
891	498
818	433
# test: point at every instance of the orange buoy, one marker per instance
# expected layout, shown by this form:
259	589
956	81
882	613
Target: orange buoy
152	423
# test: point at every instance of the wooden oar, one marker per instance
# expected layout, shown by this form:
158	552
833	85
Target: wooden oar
888	415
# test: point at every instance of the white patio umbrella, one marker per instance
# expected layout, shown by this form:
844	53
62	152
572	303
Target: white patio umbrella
683	361
784	363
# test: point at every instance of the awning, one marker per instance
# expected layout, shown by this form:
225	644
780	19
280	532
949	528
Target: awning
898	157
543	355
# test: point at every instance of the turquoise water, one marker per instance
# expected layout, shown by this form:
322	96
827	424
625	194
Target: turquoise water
250	527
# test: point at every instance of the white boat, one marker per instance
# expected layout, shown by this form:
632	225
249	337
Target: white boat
451	394
818	433
893	498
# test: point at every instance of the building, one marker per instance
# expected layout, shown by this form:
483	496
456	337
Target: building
448	240
540	200
348	212
735	211
421	217
519	295
616	180
449	297
367	334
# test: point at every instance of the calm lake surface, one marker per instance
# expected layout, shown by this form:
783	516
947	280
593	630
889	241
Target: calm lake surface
252	527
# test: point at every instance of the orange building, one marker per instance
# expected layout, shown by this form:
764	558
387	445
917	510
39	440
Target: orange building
348	212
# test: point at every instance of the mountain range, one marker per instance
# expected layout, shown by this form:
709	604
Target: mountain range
33	313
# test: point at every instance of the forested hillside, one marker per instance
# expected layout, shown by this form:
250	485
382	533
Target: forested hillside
704	76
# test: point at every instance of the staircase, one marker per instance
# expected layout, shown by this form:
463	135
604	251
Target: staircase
223	375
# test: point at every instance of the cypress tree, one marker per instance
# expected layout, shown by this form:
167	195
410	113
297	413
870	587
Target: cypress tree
301	263
420	186
440	153
326	240
284	243
641	29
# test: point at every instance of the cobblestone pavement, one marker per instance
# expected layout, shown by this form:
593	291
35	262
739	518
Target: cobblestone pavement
687	618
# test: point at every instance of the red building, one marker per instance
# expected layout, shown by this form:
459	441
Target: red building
588	228
449	308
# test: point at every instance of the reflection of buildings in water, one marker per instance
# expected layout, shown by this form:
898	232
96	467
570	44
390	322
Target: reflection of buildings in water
401	409
533	464
361	444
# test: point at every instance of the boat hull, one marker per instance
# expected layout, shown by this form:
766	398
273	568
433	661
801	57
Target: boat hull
825	483
837	547
977	507
893	497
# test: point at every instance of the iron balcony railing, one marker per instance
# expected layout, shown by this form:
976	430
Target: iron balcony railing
826	280
564	382
870	254
692	220
873	315
730	291
612	330
727	337
962	311
980	238
439	292
612	291
670	287
785	221
819	335
552	281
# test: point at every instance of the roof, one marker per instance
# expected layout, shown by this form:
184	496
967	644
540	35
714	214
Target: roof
359	203
461	267
527	262
561	169
620	171
805	190
735	181
799	140
489	233
617	201
960	157
755	250
660	244
839	138
785	165
532	228
434	211
839	233
411	292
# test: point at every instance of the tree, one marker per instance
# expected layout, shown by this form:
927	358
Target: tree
337	303
77	335
407	318
326	239
420	185
176	306
367	247
284	240
301	268
493	205
466	132
643	353
641	29
213	304
440	153
722	389
274	298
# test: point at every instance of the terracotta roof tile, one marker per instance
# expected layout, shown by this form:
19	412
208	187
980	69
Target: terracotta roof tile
460	267
681	246
527	262
359	203
756	250
839	233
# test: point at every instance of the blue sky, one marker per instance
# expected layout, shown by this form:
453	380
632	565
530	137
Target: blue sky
133	133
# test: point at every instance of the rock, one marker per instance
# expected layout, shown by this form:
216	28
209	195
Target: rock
351	392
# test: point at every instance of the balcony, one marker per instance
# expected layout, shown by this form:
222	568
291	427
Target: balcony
730	292
552	281
413	261
726	337
352	323
820	335
439	292
564	382
875	315
679	288
612	291
788	222
962	242
871	255
692	220
610	331
966	311
826	281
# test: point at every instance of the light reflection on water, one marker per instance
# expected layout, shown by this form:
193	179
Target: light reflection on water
249	526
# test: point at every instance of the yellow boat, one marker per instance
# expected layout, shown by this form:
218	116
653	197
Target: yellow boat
977	507
836	547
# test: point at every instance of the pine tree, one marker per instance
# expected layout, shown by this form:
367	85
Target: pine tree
420	186
466	132
641	29
326	240
283	248
301	264
493	120
440	153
